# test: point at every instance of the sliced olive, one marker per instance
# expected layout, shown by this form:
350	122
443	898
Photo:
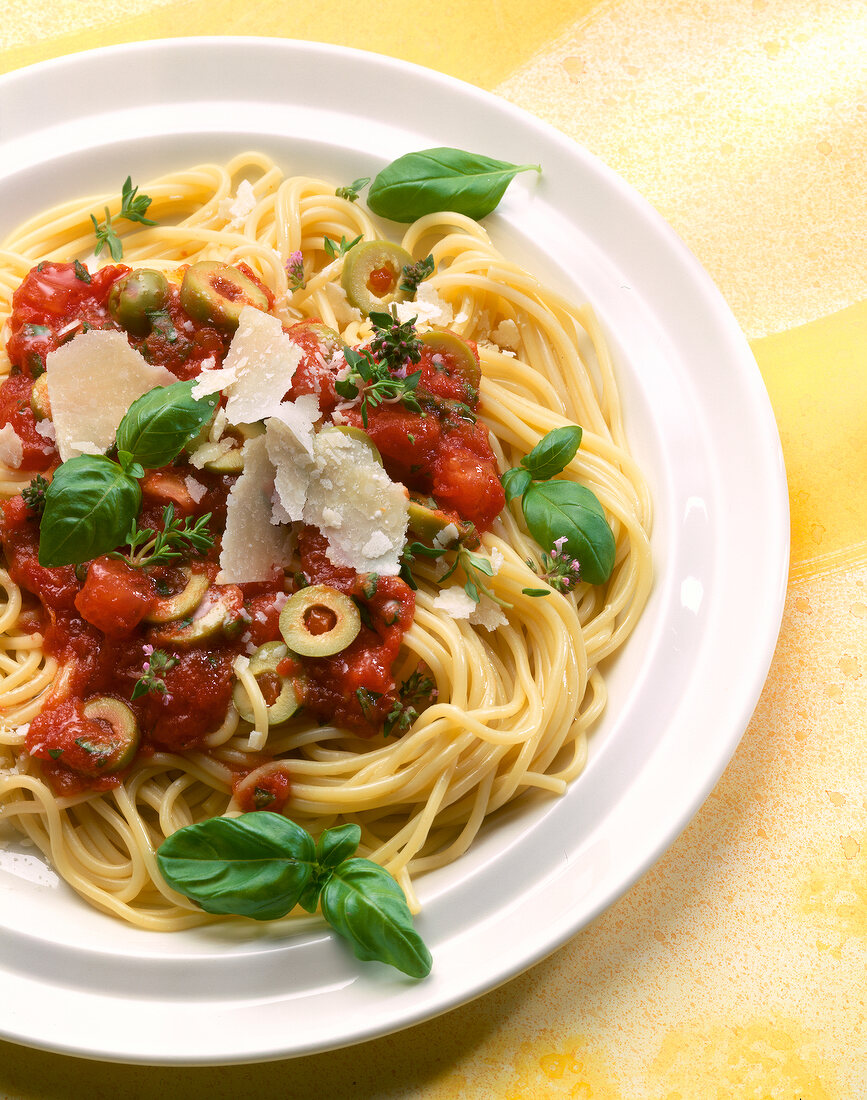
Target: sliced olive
217	293
182	604
319	621
328	337
39	402
219	613
115	746
428	522
281	694
232	461
361	436
458	357
135	297
372	274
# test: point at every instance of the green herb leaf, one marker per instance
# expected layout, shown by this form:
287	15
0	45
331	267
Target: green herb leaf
350	193
107	237
560	509
337	844
88	510
256	865
516	482
158	424
553	452
132	205
363	903
178	539
435	180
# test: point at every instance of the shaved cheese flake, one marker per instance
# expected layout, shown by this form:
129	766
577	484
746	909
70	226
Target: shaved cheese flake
357	507
455	602
293	463
427	307
252	545
195	489
11	447
263	359
459	604
506	335
92	381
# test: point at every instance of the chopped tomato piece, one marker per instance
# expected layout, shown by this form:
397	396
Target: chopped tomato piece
115	597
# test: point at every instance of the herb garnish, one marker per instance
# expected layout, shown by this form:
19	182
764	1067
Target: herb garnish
564	518
416	273
262	865
351	192
34	494
415	693
177	540
435	180
92	502
133	208
333	249
379	371
151	682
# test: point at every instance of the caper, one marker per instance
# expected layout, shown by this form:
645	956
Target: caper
372	274
135	297
319	621
459	356
216	293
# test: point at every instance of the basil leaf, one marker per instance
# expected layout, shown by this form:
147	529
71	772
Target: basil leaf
440	179
89	507
364	904
553	452
158	424
564	509
337	844
256	865
516	482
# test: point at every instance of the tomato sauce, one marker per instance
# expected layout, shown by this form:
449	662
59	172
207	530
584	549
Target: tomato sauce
95	618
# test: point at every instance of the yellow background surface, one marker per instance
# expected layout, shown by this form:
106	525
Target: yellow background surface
736	967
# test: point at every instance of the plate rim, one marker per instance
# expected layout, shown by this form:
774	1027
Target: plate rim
735	342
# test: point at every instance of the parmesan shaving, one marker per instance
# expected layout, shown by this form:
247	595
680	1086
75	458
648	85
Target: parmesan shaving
11	447
357	507
92	381
252	545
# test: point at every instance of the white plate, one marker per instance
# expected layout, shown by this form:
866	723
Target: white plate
682	692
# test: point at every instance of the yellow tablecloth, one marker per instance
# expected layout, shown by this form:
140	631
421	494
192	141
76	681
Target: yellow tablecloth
735	968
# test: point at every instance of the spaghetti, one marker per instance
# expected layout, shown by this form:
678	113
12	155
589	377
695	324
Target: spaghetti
517	681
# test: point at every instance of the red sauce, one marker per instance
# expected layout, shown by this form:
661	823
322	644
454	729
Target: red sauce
38	453
94	618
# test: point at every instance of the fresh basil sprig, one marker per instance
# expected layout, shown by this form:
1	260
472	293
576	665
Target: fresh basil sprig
262	865
93	501
87	510
442	179
556	510
160	422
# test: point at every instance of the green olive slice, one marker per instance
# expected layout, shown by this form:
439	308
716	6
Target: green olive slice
428	522
372	274
329	338
232	461
117	746
218	613
39	402
319	621
452	346
182	604
282	690
216	293
135	297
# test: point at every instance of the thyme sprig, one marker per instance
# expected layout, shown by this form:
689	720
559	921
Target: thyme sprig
176	540
34	494
133	208
416	273
352	192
